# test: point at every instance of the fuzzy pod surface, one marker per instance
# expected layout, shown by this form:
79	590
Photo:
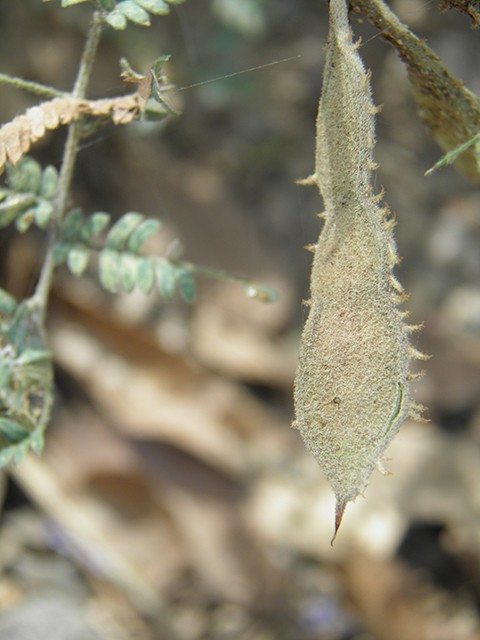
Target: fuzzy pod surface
352	381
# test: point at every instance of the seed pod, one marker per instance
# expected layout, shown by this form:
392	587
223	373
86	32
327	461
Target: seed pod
352	380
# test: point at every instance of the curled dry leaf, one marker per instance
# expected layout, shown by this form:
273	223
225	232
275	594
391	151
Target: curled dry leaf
352	382
17	136
123	109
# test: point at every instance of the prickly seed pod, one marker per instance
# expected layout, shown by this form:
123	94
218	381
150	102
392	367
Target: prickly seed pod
352	381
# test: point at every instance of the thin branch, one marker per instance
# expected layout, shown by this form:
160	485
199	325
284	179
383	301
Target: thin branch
32	87
68	162
252	289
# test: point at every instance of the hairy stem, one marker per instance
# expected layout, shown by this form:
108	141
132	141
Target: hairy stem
253	289
33	87
42	290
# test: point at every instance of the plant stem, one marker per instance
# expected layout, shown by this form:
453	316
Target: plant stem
42	289
253	289
33	87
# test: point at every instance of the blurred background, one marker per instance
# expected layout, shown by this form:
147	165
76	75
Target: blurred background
173	500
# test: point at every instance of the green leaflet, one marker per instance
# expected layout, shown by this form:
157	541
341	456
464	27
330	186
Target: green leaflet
77	259
116	20
67	3
61	251
128	271
71	224
11	432
29	197
13	206
25	176
8	304
155	6
121	230
94	225
42	213
166	280
109	266
25	220
144	230
134	12
145	274
186	283
49	181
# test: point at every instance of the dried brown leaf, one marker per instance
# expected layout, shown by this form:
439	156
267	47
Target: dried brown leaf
24	134
51	112
17	136
68	113
122	104
98	107
37	122
145	88
9	142
123	108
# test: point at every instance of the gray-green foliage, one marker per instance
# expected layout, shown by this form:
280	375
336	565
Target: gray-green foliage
119	12
453	155
121	264
29	196
26	378
33	195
